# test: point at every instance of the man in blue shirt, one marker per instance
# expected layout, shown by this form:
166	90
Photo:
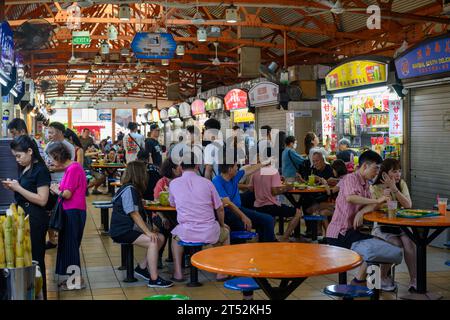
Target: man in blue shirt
237	217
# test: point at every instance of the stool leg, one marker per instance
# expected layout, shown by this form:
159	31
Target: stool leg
193	282
123	257
297	231
343	278
105	219
314	230
280	225
170	256
247	295
130	265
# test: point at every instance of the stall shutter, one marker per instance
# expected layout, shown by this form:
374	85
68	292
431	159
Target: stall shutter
271	116
430	141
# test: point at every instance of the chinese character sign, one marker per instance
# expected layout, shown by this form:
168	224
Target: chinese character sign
328	118
395	119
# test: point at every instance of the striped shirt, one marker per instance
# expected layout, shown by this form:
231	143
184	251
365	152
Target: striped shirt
345	212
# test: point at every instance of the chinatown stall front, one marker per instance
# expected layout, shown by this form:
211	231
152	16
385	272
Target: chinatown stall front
361	107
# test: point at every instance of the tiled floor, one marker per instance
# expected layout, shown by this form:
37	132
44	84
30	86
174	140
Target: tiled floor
101	257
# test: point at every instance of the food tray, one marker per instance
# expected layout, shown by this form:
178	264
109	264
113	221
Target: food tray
414	214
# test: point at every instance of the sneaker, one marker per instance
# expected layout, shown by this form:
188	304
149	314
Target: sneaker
50	245
159	283
143	273
388	285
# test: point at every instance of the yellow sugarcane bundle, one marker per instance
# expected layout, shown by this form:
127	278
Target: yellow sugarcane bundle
27	243
9	242
2	249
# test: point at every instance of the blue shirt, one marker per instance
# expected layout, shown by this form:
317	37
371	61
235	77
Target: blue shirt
229	189
291	162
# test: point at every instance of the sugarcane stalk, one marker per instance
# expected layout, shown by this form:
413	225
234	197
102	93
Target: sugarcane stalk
2	249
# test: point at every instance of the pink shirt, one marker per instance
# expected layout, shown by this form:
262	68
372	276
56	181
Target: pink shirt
345	212
195	199
263	181
160	187
74	180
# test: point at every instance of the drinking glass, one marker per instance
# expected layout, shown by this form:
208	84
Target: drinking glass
442	206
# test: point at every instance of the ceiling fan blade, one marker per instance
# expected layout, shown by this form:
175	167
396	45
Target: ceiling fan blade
318	13
327	3
355	9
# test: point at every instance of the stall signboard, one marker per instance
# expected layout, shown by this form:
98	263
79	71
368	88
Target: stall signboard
355	74
428	58
173	112
243	115
185	110
146	45
163	115
214	103
396	120
236	99
263	94
81	37
7	50
104	115
198	107
328	118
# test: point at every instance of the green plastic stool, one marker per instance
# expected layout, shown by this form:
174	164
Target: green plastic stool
167	297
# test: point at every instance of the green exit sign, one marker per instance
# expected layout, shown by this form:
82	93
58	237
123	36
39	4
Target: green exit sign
81	37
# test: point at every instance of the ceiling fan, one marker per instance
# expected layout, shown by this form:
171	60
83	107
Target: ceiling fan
335	8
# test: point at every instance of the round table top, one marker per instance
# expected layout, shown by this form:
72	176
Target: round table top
108	165
276	260
160	208
381	217
116	184
308	190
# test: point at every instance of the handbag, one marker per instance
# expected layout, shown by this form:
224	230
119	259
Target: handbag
51	202
56	218
376	250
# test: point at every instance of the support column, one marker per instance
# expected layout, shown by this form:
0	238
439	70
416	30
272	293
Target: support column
134	114
69	118
113	124
30	126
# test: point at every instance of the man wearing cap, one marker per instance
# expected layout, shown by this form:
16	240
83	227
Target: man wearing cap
152	145
345	153
133	142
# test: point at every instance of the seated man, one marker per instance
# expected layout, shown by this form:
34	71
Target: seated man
195	199
236	216
345	153
353	201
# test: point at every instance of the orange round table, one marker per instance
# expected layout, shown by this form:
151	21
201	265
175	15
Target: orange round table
155	208
111	170
293	263
419	234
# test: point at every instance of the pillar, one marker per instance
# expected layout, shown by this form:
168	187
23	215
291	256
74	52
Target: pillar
113	124
69	118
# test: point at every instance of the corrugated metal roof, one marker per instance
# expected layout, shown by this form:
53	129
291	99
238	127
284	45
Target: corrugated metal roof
408	5
352	21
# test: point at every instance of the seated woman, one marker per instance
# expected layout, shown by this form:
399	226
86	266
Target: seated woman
128	223
100	178
389	183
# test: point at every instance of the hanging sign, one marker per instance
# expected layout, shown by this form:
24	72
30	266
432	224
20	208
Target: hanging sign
147	45
163	115
396	120
242	115
104	115
428	58
81	37
328	120
236	99
7	50
173	112
185	110
214	103
198	107
263	94
356	74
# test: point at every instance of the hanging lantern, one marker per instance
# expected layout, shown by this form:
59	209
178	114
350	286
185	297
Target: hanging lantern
201	34
124	12
180	50
73	17
112	32
155	115
104	48
98	59
165	62
231	14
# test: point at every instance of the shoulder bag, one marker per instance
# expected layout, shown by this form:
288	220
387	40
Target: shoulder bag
56	219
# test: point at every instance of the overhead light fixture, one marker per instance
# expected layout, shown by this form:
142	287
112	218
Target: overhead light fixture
104	48
231	14
124	52
165	62
180	50
112	33
201	34
143	76
129	85
124	12
284	77
98	59
197	18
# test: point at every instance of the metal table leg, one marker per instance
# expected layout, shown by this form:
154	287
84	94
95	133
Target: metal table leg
286	287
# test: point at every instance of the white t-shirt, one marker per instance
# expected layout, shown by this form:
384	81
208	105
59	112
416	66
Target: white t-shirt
212	156
130	146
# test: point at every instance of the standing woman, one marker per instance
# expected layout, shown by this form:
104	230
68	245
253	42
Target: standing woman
73	191
292	162
75	141
31	193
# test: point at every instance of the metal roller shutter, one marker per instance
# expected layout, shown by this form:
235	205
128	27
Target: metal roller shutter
271	116
430	144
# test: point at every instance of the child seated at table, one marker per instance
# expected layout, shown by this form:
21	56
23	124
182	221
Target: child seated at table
200	213
128	224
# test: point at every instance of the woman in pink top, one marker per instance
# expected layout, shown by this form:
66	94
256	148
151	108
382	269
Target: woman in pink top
72	189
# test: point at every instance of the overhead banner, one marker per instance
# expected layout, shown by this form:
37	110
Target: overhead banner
198	107
263	94
214	103
242	115
185	110
173	112
328	118
396	120
356	73
7	50
428	58
236	99
147	45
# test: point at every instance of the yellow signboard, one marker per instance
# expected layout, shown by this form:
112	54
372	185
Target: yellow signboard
242	115
356	74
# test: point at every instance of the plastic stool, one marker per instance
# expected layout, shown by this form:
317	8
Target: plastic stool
246	285
314	220
447	263
191	249
104	207
349	292
241	236
167	297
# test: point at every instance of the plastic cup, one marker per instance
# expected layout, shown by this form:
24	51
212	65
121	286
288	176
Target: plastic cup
392	208
442	206
311	180
355	160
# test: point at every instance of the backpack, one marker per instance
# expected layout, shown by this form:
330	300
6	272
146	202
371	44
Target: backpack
304	169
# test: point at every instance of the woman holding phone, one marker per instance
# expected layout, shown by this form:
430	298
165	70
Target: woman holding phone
31	192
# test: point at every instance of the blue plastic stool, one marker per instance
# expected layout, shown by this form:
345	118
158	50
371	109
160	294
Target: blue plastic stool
104	207
242	236
348	292
246	285
447	263
191	249
314	220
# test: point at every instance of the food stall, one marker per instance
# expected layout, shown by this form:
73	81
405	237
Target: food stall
7	76
236	102
361	107
198	112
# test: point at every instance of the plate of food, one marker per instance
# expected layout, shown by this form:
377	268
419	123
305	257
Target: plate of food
300	186
152	202
416	213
